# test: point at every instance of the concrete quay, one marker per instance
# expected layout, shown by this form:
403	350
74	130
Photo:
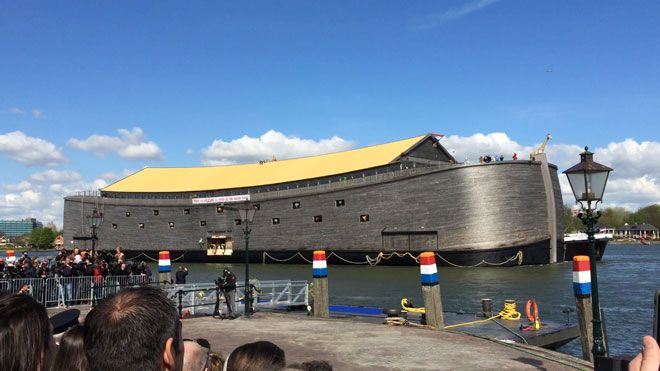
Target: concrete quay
353	345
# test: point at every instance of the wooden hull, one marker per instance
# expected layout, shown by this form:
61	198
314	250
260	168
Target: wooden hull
487	214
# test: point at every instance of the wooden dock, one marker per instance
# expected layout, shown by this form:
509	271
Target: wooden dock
357	345
552	334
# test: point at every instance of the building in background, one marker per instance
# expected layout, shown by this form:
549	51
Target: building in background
16	228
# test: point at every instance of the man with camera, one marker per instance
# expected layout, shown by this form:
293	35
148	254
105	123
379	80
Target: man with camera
227	283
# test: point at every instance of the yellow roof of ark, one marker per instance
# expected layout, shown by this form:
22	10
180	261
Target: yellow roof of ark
190	179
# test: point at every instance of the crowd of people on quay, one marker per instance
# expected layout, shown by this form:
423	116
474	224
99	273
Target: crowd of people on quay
100	342
76	263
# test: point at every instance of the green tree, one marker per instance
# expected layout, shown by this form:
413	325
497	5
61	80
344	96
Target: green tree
649	214
571	223
614	217
42	238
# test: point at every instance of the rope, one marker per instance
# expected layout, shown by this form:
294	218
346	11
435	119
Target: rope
347	261
508	329
474	322
375	261
405	305
509	312
517	257
289	258
155	260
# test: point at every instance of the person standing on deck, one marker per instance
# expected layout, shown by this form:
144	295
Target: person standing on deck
180	275
229	290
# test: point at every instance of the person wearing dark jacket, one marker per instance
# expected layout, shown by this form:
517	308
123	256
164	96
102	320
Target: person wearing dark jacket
228	287
67	273
180	275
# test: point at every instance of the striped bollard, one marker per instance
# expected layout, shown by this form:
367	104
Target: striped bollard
431	290
11	257
320	273
582	291
164	267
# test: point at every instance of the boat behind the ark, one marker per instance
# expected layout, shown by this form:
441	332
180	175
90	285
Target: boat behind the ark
578	244
382	204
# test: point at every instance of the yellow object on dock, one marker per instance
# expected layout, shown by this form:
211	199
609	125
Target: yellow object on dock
509	312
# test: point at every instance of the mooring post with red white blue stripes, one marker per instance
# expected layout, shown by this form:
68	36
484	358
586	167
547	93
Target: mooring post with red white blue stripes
164	267
431	290
320	272
582	291
11	257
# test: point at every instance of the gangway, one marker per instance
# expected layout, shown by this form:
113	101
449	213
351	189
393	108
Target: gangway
201	298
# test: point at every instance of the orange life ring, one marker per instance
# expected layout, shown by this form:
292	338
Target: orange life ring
530	303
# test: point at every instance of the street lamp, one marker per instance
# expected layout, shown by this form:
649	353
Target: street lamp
246	213
94	220
588	180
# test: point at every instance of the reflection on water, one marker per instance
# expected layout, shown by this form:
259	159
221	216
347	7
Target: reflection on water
628	278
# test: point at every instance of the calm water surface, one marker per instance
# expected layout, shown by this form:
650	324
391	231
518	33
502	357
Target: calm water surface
628	277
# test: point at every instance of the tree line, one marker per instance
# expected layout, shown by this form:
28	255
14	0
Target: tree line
40	238
615	217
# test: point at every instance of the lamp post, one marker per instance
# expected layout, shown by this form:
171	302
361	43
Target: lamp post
94	220
246	213
588	180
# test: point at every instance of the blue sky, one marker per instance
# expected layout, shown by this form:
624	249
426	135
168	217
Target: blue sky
188	74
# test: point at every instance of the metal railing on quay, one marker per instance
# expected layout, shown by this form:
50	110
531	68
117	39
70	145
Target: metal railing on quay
196	298
207	298
65	291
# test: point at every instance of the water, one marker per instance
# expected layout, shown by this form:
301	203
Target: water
628	277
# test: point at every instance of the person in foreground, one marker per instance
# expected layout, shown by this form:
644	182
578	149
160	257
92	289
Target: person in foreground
71	354
261	356
26	337
649	358
137	329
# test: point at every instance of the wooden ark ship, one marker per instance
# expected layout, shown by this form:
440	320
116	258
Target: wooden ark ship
382	204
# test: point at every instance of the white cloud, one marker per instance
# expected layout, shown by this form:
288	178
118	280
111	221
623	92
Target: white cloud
634	183
452	14
130	144
30	151
44	197
189	151
477	145
111	177
56	176
15	111
37	114
23	185
272	143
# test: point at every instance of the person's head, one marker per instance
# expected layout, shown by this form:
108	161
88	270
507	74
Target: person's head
226	271
261	355
195	356
26	337
71	355
136	329
215	362
118	249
